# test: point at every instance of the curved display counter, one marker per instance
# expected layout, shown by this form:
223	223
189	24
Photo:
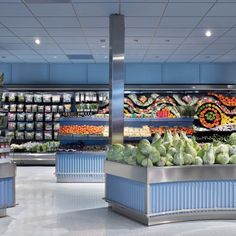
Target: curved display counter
7	187
157	195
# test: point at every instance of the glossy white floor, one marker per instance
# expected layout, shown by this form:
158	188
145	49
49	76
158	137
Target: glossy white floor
47	208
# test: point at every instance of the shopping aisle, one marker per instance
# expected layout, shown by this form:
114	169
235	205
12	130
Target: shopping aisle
47	208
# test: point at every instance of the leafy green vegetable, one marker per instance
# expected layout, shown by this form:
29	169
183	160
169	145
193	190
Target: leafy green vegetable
209	156
154	155
232	139
188	159
172	151
179	156
222	158
162	161
144	146
198	160
147	163
232	159
140	157
232	150
190	150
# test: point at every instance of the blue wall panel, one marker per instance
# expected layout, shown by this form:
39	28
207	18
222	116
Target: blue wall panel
143	73
98	73
180	73
220	73
6	69
30	73
136	73
68	74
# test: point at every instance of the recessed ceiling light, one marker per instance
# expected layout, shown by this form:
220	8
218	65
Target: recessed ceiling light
105	57
208	33
103	46
37	41
54	57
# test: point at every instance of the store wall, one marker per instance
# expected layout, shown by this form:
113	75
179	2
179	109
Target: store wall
146	73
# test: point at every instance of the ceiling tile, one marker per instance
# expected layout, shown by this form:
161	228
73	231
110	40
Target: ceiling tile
144	40
65	32
179	22
130	32
70	39
160	51
19	22
226	40
100	51
3	52
217	22
5	32
30	32
180	58
23	52
77	51
216	32
155	58
30	40
45	46
135	51
96	9
98	46
136	46
185	46
96	40
9	40
102	32
187	9
193	1
232	52
163	46
74	46
139	22
59	22
10	59
214	51
204	58
55	9
199	40
143	9
50	52
93	22
226	58
186	52
173	32
56	58
231	33
223	9
222	46
14	46
166	40
14	9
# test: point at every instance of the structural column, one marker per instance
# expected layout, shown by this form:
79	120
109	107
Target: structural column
116	78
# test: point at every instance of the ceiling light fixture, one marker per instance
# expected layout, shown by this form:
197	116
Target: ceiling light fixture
37	41
208	33
54	57
118	58
105	57
103	46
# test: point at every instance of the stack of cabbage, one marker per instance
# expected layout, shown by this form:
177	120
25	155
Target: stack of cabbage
174	150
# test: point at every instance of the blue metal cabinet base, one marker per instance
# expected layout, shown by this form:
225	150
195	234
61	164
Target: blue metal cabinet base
7	187
76	167
156	198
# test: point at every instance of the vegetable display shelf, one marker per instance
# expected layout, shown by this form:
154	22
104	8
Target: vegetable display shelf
157	195
7	187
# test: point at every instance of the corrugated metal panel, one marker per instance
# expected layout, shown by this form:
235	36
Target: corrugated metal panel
7	192
199	195
126	192
84	165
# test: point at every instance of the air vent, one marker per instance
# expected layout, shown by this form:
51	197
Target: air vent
80	57
47	1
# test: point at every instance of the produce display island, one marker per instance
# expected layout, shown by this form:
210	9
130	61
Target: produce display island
156	195
7	187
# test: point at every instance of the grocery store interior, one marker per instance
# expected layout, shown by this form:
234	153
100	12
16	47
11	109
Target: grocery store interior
117	117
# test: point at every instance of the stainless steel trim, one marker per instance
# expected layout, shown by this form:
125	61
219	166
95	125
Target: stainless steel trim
171	174
136	173
3	212
7	170
67	179
208	214
116	78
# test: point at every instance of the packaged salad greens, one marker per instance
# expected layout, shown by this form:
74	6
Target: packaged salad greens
29	98
29	116
21	97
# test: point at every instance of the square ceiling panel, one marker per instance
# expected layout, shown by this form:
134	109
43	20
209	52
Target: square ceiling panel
43	39
70	39
217	22
29	32
14	46
59	22
102	32
71	46
179	22
9	40
138	40
147	32
96	9
50	9
50	51
204	58
223	9
148	22
56	58
186	52
167	40
231	33
93	22
77	51
200	32
187	9
163	46
160	51
5	32
14	9
143	9
19	22
173	32
69	32
23	52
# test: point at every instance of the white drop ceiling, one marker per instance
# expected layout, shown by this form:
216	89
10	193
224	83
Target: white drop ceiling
156	30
